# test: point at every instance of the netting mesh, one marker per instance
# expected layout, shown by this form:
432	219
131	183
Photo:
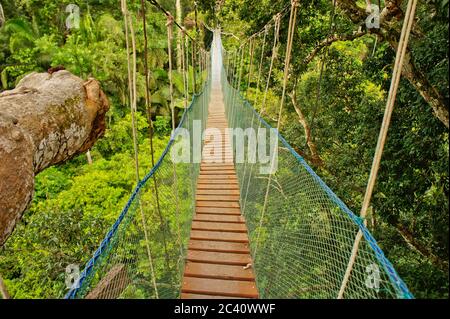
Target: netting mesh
301	234
143	254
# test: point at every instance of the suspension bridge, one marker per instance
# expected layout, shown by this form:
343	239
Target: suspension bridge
222	228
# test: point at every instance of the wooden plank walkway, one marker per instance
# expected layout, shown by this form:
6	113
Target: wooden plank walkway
218	261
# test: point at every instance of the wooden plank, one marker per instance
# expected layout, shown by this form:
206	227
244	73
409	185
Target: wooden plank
218	157
232	288
209	186
219	169
220	198
221	176
218	258
203	180
216	226
218	210
211	167
219	236
218	218
228	272
218	160
200	203
199	296
219	246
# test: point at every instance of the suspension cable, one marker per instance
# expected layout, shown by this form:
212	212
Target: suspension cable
148	104
170	21
132	95
325	54
261	59
277	19
250	67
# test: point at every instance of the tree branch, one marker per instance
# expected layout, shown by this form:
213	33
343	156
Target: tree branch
315	158
390	29
330	40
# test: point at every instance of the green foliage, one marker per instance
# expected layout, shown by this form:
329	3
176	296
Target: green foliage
410	204
75	203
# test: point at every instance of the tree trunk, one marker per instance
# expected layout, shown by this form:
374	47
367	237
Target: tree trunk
420	82
390	30
314	157
47	119
421	249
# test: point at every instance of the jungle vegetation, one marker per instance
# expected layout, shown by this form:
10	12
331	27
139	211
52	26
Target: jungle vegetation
335	131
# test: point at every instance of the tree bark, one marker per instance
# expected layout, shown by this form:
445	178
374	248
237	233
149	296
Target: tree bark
389	30
421	249
314	157
47	119
330	40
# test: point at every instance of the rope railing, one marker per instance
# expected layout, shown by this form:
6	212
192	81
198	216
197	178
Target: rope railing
143	253
308	233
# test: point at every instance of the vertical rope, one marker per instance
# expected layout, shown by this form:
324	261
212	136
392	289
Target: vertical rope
185	91
252	44
194	72
396	74
277	19
148	106
183	68
266	29
132	92
250	68
287	61
186	62
261	59
231	77
319	81
238	85
169	49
